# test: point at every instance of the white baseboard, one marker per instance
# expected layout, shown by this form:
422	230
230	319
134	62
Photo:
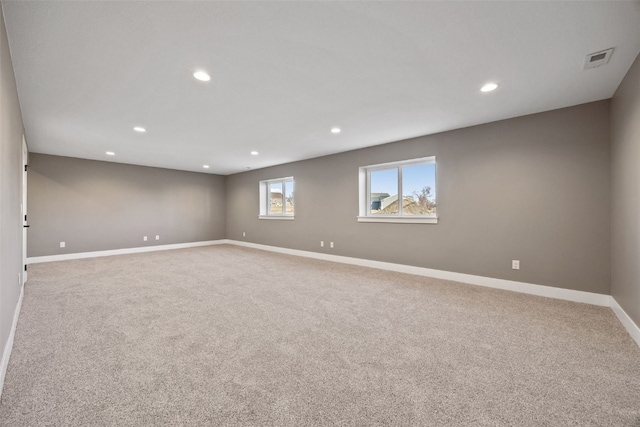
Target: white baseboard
81	255
509	285
6	354
490	282
627	322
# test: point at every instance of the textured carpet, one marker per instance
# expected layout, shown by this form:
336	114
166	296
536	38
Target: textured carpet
230	336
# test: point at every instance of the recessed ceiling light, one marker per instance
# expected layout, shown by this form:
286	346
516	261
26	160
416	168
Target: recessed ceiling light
110	153
205	166
489	87
336	130
254	153
139	129
202	76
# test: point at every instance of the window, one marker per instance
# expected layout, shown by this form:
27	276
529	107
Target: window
277	199
399	192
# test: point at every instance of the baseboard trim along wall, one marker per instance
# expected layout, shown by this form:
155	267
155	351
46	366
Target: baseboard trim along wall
6	354
627	322
81	255
508	285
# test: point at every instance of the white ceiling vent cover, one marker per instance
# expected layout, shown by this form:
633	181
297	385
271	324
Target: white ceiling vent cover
597	59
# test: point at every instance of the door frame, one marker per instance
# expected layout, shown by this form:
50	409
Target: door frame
23	207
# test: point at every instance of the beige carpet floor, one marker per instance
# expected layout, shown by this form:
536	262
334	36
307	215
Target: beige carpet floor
230	336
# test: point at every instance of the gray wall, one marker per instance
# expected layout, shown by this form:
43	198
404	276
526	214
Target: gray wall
11	130
534	188
625	140
92	205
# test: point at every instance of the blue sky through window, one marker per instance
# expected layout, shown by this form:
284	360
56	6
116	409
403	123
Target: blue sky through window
414	178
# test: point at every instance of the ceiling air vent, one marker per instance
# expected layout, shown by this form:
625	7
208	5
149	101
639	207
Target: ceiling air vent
597	59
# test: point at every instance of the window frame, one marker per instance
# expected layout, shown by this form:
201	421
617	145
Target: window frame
364	190
265	199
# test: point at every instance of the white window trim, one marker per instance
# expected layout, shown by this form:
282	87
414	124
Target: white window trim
264	199
364	185
280	217
400	220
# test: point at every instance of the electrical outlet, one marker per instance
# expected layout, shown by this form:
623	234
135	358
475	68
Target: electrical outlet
63	244
331	244
515	264
144	238
322	243
244	234
157	237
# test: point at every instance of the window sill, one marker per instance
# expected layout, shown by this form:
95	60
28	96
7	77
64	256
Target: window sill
399	220
281	217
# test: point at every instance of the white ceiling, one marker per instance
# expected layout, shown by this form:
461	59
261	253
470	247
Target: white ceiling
285	73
